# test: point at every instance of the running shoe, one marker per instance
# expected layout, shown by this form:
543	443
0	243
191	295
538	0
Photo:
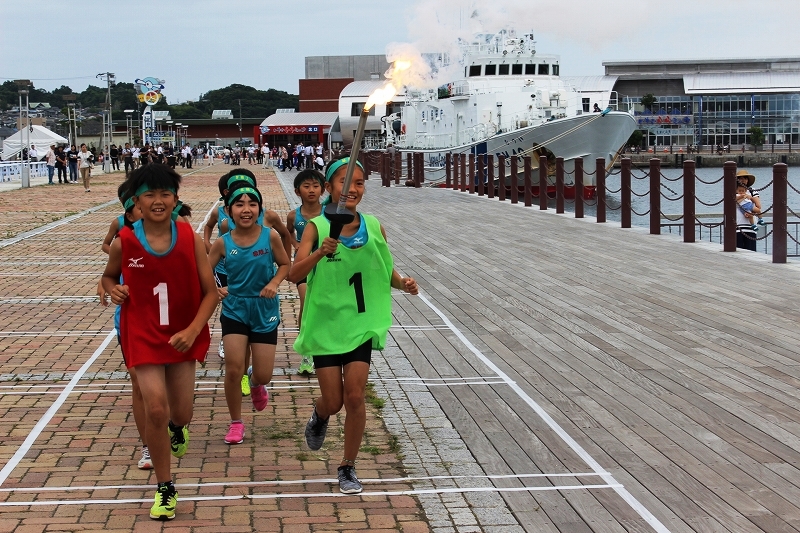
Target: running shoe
348	481
145	463
306	365
165	502
258	393
316	428
235	433
221	350
179	442
761	222
245	385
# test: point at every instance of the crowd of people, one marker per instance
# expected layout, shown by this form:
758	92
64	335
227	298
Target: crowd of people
167	282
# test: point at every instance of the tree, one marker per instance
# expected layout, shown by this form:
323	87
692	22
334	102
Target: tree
636	138
757	137
648	101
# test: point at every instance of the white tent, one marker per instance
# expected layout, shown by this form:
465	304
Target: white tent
38	136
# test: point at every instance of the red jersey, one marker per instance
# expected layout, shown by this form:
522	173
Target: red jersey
164	295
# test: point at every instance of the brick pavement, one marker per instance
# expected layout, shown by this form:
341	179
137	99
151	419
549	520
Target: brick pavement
52	326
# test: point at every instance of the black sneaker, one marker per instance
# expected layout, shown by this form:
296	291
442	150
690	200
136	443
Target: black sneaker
316	428
348	481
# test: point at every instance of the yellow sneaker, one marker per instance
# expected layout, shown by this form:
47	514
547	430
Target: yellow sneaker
245	385
165	502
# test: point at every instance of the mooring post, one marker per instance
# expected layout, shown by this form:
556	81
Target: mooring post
655	196
526	175
481	173
542	182
463	172
559	185
514	181
501	178
490	173
689	215
779	214
600	180
729	206
472	173
448	183
625	192
578	187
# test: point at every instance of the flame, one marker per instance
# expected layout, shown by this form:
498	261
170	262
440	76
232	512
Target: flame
380	96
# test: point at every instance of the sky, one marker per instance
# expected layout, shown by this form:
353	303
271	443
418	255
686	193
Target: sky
199	45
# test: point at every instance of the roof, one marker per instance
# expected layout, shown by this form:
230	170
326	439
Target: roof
591	83
742	82
326	118
364	89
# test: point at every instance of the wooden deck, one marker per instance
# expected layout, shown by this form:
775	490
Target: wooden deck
670	370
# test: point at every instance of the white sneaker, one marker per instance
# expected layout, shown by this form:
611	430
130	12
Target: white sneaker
145	463
221	350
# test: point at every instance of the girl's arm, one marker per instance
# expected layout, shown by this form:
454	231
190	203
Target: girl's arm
208	229
398	282
183	340
305	260
216	253
276	223
113	229
282	260
110	279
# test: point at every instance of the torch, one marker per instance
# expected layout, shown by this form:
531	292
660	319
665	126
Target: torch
338	215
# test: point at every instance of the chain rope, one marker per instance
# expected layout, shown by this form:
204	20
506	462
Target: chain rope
709	205
671	219
710	182
639	214
709	226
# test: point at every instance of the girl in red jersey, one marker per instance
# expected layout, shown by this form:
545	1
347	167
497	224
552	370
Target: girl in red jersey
168	296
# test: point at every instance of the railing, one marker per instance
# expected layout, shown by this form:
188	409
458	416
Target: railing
12	170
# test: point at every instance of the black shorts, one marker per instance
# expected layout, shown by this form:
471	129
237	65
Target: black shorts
222	279
304	280
231	326
362	353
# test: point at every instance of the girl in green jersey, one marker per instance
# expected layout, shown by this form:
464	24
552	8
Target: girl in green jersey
347	313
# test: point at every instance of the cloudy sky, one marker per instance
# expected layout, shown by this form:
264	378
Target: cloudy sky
200	45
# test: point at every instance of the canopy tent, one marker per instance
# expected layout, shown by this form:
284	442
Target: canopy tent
38	136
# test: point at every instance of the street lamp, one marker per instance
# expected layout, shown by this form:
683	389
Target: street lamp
240	122
176	142
70	99
129	123
25	169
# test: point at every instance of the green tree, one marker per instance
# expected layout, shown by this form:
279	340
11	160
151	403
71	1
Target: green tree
636	138
648	101
757	137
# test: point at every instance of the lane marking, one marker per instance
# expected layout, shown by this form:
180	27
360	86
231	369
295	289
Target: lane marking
640	509
42	423
41	229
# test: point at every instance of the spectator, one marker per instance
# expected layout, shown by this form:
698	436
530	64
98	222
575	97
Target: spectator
50	161
61	164
114	153
85	164
33	155
72	161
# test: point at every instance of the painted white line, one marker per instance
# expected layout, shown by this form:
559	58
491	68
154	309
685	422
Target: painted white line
49	274
42	423
57	223
48	300
305	481
309	495
640	509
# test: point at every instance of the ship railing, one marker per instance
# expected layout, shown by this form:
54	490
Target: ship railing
425	141
374	142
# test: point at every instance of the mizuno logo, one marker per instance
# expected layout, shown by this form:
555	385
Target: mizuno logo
273	319
234	251
134	263
358	240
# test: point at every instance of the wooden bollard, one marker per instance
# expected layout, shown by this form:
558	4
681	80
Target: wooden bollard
559	185
625	192
689	184
456	172
729	206
398	167
481	173
655	196
471	173
463	158
514	181
420	174
501	178
448	182
600	181
490	175
779	214
542	182
526	173
578	187
410	168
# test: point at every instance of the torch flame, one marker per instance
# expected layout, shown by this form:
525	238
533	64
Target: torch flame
380	96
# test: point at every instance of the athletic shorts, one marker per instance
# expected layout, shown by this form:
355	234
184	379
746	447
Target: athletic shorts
260	314
304	280
222	279
362	353
234	327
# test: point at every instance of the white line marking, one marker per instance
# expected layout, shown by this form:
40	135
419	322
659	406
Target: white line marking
309	495
305	481
654	522
42	423
57	223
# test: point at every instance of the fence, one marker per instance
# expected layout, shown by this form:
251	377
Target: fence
12	170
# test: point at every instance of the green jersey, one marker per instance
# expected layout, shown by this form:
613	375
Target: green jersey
349	296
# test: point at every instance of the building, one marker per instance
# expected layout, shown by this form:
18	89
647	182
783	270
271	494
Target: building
327	76
711	101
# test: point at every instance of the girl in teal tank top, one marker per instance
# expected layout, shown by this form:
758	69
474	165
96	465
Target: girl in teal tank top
347	313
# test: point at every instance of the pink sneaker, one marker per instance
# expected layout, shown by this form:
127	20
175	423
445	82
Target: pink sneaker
258	393
235	433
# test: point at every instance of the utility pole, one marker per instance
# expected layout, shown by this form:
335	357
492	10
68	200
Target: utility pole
109	77
240	123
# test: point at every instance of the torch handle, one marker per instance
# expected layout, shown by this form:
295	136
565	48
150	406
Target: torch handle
351	166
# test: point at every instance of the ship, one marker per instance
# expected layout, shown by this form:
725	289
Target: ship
506	99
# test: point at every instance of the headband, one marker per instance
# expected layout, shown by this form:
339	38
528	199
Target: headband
127	204
337	164
240	177
177	211
243	190
144	188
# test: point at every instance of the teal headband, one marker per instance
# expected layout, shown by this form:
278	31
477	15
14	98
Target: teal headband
127	204
240	177
144	188
243	190
177	211
338	164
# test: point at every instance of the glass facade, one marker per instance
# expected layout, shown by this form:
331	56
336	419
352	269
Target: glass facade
718	119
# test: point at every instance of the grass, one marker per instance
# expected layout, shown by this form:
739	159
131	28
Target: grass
394	444
373	450
372	398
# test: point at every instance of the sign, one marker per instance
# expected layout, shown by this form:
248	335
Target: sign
148	124
650	120
289	130
149	90
163	137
